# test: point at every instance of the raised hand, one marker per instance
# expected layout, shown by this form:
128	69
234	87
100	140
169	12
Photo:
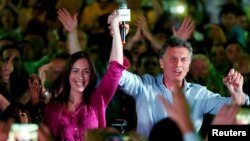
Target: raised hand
5	129
226	115
44	133
4	103
146	32
143	25
134	39
114	22
178	110
35	88
185	30
234	82
69	22
42	73
117	47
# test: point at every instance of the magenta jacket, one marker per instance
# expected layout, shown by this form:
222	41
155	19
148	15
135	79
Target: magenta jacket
70	126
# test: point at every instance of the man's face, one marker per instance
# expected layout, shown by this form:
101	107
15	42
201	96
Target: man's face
175	63
242	22
229	20
149	65
200	68
233	52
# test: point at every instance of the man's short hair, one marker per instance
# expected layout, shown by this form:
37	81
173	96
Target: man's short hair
175	42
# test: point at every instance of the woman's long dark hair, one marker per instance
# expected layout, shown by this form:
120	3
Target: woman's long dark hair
66	72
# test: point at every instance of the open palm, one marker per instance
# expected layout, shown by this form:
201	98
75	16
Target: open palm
185	30
69	22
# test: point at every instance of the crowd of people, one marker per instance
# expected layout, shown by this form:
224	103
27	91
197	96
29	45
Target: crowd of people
56	71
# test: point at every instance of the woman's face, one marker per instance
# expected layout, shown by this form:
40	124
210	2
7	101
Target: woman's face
218	54
7	18
17	62
80	75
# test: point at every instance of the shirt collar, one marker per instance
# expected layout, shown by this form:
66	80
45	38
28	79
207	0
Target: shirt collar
187	85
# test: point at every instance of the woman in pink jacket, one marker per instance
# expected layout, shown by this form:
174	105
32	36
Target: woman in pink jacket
82	105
